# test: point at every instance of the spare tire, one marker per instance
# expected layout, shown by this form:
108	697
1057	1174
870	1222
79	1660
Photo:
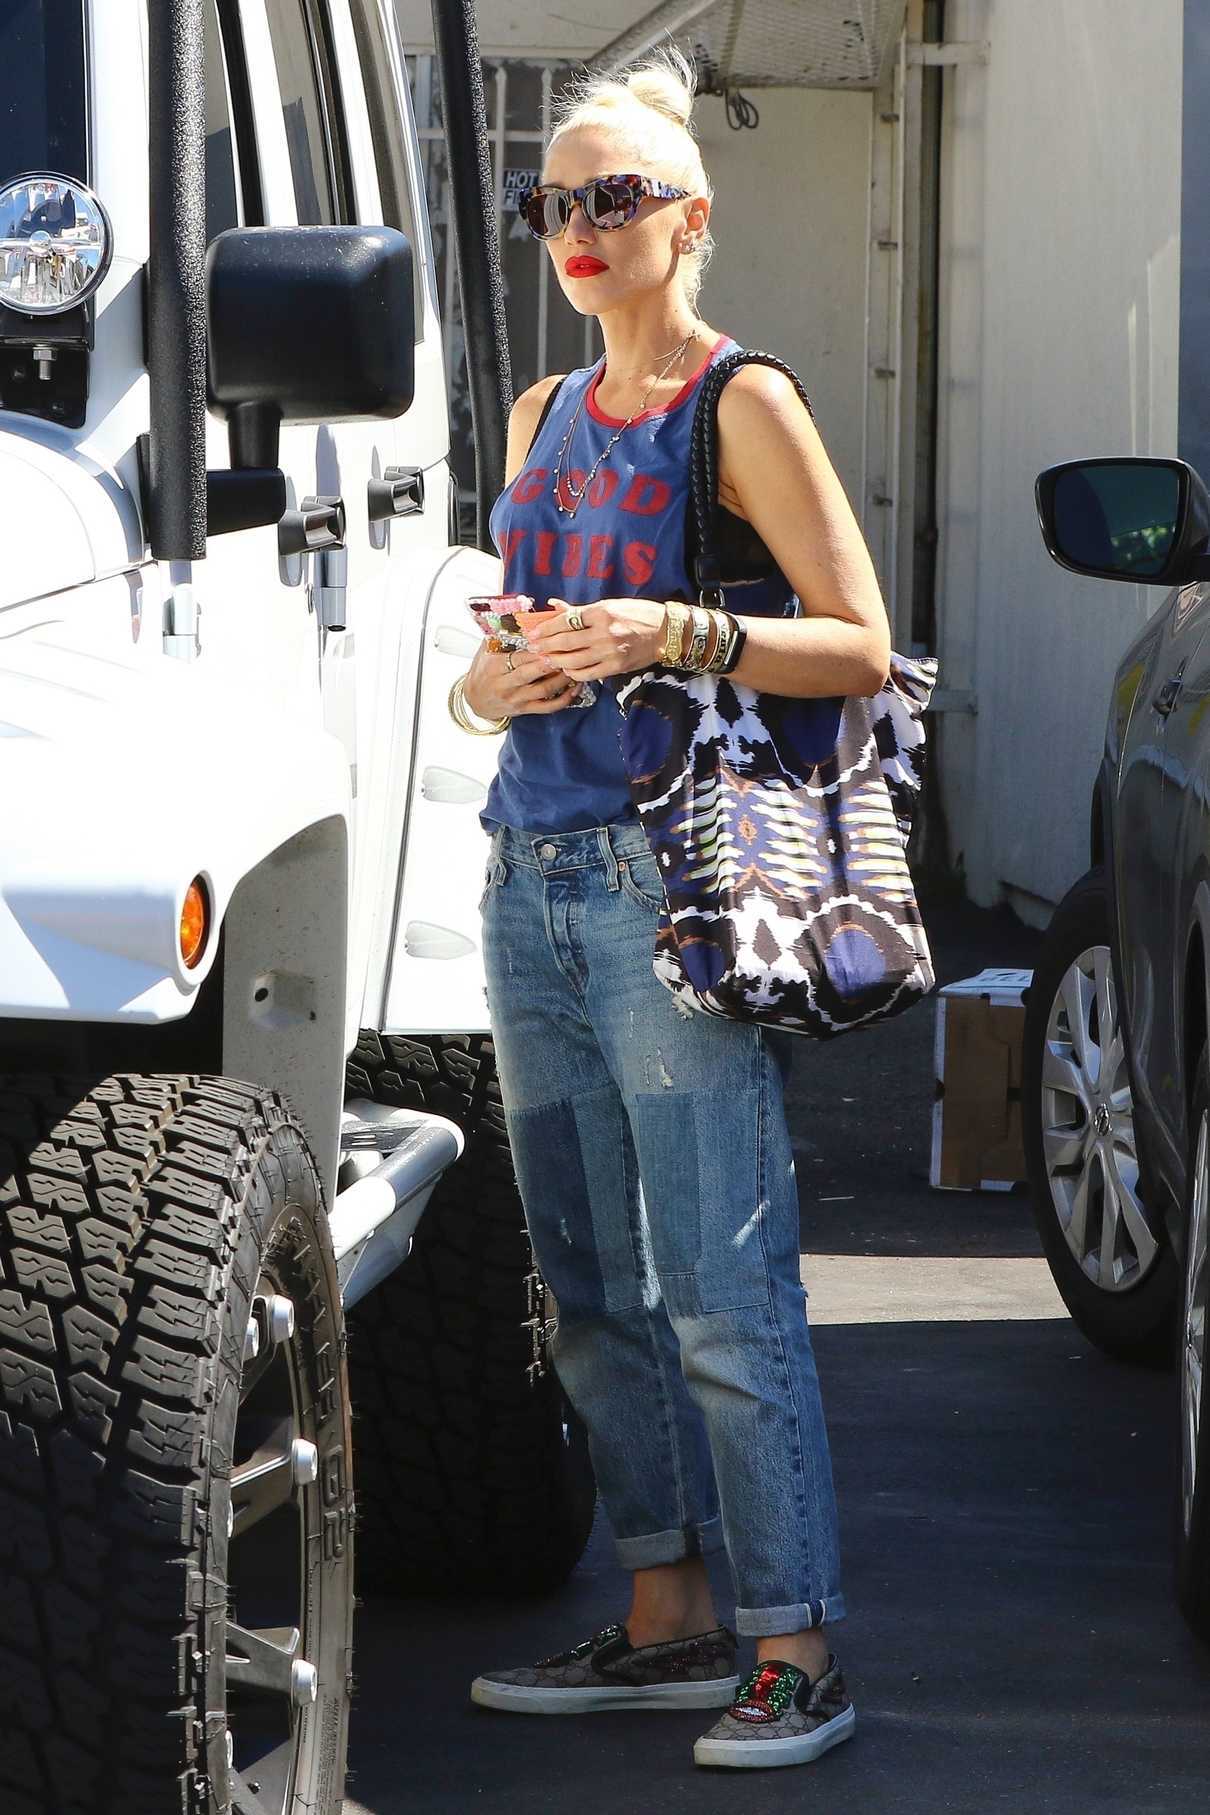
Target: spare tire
175	1491
473	1471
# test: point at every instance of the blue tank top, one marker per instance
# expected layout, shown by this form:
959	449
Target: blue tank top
563	771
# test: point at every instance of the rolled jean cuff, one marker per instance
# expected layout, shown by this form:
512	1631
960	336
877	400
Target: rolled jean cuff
671	1546
764	1622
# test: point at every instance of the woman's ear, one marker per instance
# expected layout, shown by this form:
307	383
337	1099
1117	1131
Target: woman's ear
697	217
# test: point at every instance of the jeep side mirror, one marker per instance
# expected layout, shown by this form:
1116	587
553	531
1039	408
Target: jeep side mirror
1124	518
305	324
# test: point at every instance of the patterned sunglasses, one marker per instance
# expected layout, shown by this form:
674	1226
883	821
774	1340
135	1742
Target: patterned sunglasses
608	202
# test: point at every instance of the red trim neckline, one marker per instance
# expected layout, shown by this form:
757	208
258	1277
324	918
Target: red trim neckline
617	422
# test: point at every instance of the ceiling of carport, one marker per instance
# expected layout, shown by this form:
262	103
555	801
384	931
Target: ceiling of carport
771	43
737	43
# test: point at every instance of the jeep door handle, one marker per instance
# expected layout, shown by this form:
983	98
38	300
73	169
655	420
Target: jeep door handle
1170	692
399	493
317	523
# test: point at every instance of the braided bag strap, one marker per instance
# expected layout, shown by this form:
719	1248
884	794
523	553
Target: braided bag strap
703	459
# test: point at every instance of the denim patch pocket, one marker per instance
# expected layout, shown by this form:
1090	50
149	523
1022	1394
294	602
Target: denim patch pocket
641	880
698	1155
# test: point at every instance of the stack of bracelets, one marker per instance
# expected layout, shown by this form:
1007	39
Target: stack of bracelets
697	640
715	640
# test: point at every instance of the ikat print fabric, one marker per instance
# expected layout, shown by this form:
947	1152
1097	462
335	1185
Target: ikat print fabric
780	826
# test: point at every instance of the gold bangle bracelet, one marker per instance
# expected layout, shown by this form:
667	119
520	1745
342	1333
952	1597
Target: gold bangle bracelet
459	711
674	632
685	621
670	634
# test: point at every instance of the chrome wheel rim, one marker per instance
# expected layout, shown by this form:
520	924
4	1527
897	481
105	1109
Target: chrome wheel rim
1193	1345
271	1680
1088	1137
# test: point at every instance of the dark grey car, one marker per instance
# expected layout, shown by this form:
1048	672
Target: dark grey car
1116	1079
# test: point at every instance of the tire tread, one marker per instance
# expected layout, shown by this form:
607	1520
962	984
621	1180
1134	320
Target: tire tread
466	1483
119	1202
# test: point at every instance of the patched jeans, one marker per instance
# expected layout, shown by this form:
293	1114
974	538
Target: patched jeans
655	1169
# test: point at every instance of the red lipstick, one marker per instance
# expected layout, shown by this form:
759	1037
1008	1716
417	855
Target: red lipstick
583	266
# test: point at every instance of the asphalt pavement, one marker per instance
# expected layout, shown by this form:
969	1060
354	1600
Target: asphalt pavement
1005	1497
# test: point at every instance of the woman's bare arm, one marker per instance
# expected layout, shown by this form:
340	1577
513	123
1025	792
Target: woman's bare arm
774	466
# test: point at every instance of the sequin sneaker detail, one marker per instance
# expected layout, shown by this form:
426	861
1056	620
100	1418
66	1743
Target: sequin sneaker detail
607	1671
780	1717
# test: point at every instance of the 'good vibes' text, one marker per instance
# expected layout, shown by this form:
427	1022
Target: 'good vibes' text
574	553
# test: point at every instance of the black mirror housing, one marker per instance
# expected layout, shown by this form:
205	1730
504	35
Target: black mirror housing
1123	517
307	324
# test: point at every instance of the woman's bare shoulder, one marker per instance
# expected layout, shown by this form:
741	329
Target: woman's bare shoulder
756	408
538	392
523	420
751	392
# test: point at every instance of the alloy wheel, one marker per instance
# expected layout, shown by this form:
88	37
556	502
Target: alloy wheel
1193	1345
273	1519
1088	1134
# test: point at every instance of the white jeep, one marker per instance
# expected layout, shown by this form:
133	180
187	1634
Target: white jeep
243	1034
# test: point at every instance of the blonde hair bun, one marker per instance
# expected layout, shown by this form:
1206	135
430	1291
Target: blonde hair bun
661	86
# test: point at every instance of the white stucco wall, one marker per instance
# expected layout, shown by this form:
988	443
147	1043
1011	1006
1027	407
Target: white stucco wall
790	219
1059	321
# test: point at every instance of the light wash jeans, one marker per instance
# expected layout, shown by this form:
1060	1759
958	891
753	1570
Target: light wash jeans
655	1169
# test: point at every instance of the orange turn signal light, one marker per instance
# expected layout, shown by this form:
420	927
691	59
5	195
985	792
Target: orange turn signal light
195	922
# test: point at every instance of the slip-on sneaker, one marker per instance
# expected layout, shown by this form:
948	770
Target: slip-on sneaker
780	1717
607	1671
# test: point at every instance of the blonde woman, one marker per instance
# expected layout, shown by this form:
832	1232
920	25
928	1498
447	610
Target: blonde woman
650	1142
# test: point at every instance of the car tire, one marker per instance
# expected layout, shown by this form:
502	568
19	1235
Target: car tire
1191	1548
473	1471
1116	1273
175	1519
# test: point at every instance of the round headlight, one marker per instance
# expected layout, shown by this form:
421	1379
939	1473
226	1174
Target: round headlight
55	244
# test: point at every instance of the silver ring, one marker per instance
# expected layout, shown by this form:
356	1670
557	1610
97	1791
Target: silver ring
574	620
508	666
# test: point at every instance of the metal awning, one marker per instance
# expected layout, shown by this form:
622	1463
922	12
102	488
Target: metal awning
769	43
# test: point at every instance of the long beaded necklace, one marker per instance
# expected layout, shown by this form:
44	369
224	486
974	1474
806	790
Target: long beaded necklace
564	479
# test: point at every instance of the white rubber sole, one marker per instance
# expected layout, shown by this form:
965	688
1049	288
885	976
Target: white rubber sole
520	1698
798	1749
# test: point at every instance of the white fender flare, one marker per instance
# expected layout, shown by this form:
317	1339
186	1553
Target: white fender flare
100	839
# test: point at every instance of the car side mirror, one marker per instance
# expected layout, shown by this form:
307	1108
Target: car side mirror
1123	518
307	324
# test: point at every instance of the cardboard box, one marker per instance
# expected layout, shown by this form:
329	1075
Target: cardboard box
977	1143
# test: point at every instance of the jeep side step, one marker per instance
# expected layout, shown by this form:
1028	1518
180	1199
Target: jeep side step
399	1154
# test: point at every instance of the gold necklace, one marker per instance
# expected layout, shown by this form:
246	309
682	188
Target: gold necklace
577	492
633	371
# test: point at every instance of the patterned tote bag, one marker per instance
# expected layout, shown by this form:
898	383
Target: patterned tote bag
780	825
